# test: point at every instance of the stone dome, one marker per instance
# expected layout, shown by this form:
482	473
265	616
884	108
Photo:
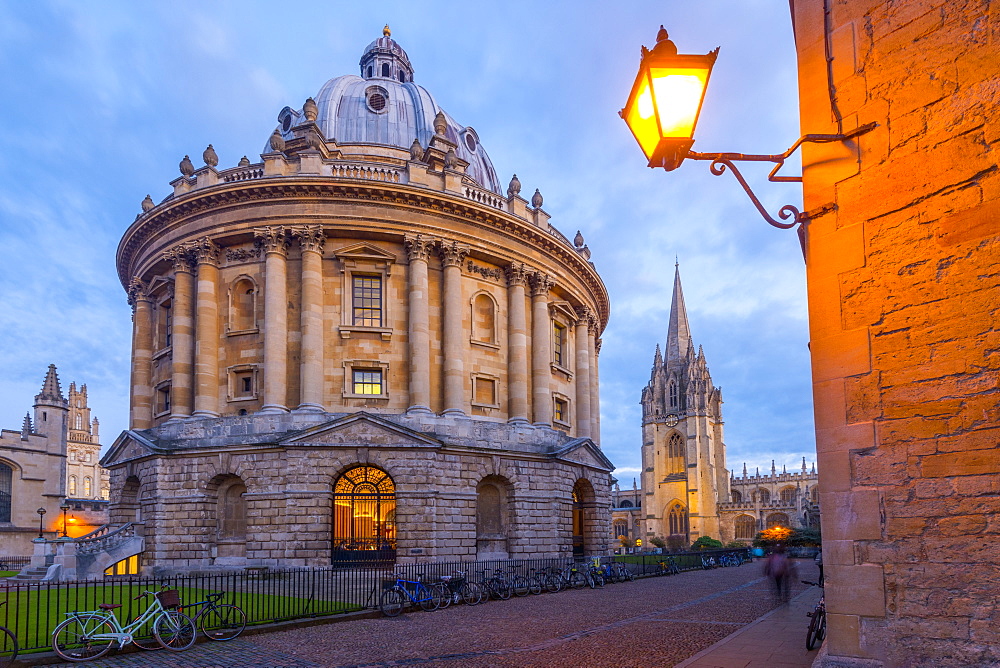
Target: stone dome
383	106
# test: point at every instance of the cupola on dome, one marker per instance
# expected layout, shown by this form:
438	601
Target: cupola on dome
383	106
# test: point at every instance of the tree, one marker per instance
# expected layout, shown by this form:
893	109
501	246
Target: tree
772	536
657	542
706	543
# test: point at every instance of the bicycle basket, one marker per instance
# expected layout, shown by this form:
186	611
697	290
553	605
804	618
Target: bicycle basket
169	598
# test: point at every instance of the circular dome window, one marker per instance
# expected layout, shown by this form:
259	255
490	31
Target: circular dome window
470	141
377	99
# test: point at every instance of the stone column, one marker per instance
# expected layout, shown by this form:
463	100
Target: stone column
541	355
595	386
142	356
274	241
182	341
517	345
311	241
206	398
583	396
452	344
418	332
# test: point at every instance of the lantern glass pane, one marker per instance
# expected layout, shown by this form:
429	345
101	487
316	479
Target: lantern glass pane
641	118
677	94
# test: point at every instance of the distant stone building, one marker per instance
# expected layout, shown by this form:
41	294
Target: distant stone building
360	346
687	491
36	473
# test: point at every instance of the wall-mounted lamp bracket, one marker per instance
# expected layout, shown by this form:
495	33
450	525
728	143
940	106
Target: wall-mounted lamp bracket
720	161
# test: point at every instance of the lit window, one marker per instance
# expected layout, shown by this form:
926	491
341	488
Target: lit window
367	381
86	487
367	301
558	343
72	485
561	410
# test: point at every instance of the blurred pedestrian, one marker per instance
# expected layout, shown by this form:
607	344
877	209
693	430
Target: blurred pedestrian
819	563
778	568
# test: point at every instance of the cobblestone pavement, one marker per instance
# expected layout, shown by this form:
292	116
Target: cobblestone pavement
655	621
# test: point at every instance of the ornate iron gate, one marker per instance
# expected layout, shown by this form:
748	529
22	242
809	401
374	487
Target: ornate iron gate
364	517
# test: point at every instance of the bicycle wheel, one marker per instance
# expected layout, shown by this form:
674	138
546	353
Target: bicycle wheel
553	583
443	592
503	589
143	637
73	639
174	630
817	628
223	622
471	593
535	584
429	598
8	647
598	579
521	586
578	580
392	602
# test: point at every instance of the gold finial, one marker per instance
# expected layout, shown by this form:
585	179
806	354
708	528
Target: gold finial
386	31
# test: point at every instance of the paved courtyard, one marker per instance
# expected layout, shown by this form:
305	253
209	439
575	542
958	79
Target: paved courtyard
652	622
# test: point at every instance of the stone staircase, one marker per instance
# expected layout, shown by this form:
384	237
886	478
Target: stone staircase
30	574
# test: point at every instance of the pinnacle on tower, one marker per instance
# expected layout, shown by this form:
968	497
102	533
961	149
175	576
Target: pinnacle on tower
26	427
744	469
657	358
803	464
774	471
50	388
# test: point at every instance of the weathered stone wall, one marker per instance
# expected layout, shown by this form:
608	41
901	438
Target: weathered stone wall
903	274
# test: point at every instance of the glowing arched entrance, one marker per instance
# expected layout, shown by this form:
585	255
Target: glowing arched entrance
364	516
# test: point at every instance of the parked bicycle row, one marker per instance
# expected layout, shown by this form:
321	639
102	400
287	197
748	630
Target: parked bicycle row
498	584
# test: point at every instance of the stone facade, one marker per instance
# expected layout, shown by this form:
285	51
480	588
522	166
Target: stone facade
370	300
759	502
34	473
903	273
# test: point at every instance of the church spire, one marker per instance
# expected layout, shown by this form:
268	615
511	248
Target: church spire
50	388
678	331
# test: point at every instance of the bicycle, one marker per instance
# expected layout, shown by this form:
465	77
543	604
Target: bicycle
668	566
89	634
8	644
397	593
621	572
817	622
218	621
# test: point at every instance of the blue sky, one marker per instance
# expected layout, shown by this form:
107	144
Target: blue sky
102	100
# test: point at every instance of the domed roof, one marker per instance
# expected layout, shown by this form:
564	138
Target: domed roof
384	106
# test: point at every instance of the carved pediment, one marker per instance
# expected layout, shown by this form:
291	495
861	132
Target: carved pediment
362	430
127	447
584	451
364	252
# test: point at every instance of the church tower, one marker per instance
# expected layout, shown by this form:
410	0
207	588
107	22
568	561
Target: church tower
683	455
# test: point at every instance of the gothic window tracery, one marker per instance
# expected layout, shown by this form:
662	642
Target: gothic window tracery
777	520
677	519
672	393
675	454
746	527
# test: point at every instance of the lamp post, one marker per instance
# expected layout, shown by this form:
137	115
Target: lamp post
41	514
64	507
662	112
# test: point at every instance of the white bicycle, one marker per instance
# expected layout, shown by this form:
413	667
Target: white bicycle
89	634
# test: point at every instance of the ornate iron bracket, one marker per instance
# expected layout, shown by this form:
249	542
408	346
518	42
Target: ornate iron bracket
722	161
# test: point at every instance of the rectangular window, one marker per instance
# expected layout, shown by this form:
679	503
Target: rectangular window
163	400
367	300
558	344
367	381
561	410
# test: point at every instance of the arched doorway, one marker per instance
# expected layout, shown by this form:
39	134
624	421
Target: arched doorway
364	517
583	505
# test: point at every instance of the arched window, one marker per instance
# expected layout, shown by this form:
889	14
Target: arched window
814	493
232	510
737	496
78	422
72	485
620	530
385	69
675	454
402	76
129	505
484	329
761	495
242	305
625	504
87	484
746	527
788	495
364	508
6	491
777	520
672	393
677	520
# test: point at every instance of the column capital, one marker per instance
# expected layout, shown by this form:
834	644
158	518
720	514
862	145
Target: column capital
418	247
583	316
517	274
205	251
593	322
452	253
597	345
272	240
181	258
310	237
138	292
540	284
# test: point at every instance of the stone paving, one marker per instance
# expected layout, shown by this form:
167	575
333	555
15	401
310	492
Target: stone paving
656	621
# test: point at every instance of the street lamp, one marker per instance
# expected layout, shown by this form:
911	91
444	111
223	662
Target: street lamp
41	514
662	112
64	507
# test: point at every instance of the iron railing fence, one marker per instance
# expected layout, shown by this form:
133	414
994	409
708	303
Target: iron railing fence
14	563
265	594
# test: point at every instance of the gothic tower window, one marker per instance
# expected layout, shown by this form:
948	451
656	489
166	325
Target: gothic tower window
6	491
737	496
677	520
78	422
672	393
675	454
